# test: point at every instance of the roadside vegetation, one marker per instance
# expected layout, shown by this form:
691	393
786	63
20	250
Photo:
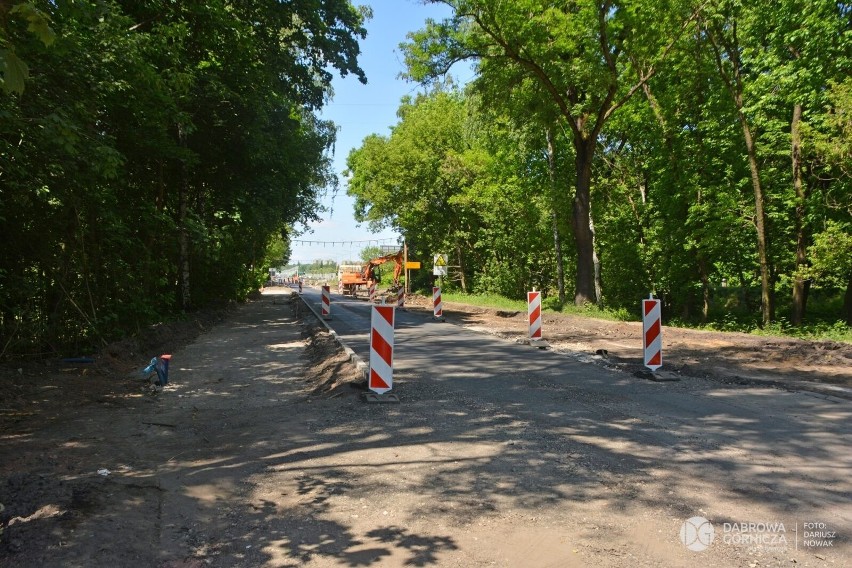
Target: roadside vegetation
158	157
699	151
154	156
823	324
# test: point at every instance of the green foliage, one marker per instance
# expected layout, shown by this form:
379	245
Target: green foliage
154	137
485	300
658	99
369	253
548	304
14	72
831	257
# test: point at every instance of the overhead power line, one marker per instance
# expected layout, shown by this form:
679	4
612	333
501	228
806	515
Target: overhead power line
343	243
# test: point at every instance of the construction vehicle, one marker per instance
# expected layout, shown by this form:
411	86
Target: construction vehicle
353	276
350	277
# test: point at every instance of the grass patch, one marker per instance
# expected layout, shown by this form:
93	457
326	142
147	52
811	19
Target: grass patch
820	330
548	305
486	301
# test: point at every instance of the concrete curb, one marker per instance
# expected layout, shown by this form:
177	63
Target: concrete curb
353	357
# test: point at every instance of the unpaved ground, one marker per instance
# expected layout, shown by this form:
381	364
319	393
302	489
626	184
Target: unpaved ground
260	453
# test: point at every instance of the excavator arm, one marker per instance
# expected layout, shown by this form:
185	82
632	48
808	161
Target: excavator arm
369	268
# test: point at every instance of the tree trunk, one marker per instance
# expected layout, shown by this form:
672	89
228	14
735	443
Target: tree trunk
767	293
581	222
705	288
462	279
801	286
733	81
557	241
183	236
847	301
596	262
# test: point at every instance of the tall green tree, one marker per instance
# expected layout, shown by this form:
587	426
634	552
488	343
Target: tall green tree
158	150
775	58
590	57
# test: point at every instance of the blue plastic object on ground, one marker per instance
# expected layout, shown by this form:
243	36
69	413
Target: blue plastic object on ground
161	366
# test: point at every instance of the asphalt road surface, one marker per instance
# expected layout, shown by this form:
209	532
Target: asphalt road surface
760	463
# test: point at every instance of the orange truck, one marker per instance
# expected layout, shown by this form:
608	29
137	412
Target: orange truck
351	277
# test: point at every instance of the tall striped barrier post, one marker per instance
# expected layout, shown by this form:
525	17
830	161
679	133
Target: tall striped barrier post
400	298
371	292
652	333
380	379
437	304
534	315
326	302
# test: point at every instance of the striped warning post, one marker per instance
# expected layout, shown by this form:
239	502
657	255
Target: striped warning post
437	304
371	291
300	286
652	333
534	314
381	349
400	297
326	302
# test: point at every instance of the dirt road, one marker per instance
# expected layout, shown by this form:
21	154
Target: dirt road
260	454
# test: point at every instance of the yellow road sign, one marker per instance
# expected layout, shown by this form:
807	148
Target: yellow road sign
411	265
439	266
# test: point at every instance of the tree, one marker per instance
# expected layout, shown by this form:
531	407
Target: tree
585	55
157	153
14	70
830	142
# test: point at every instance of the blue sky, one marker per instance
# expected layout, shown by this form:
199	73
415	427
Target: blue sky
360	110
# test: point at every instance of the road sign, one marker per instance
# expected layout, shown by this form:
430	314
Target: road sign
439	266
411	265
652	334
381	349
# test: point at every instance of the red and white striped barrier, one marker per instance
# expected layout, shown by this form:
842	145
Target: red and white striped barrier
652	333
534	314
381	349
326	302
437	304
400	297
371	291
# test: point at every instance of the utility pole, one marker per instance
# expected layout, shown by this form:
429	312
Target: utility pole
405	261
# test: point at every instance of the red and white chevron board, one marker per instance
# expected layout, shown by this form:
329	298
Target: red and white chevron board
400	297
371	291
381	349
437	304
534	314
652	334
326	302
